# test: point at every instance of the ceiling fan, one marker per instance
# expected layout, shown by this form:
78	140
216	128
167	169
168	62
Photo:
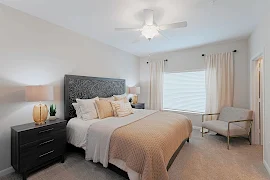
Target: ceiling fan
150	29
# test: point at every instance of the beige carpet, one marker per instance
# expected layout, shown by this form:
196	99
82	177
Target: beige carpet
208	158
202	159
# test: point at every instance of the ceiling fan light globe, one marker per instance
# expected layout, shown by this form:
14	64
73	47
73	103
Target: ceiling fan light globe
149	32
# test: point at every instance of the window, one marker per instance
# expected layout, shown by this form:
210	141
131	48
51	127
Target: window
184	91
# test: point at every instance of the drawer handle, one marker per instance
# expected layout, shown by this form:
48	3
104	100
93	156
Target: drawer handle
46	142
46	154
47	130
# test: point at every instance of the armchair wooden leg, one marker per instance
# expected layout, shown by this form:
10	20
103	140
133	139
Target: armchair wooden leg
249	138
228	142
228	137
202	131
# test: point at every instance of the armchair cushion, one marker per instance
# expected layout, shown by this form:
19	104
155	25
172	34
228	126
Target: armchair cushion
232	114
221	127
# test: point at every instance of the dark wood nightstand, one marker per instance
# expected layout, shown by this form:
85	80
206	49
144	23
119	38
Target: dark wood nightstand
35	146
138	106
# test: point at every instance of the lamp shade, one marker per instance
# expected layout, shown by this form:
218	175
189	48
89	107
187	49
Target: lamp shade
134	90
38	93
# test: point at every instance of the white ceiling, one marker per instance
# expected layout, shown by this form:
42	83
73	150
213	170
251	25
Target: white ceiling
207	22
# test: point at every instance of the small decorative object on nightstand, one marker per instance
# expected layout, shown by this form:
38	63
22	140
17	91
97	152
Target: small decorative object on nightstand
35	146
138	106
52	112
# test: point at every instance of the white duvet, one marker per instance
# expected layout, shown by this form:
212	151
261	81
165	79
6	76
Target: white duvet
77	130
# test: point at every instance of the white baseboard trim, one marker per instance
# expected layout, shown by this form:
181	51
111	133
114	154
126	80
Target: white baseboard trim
6	171
266	166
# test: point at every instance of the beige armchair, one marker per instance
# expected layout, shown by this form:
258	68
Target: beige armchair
231	122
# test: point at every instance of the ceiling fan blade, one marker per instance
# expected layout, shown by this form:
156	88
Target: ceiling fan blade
173	26
148	17
127	29
137	40
162	34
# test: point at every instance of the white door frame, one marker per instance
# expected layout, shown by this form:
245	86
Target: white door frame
252	66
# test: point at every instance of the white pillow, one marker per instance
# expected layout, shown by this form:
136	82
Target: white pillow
122	109
121	97
78	110
107	99
88	108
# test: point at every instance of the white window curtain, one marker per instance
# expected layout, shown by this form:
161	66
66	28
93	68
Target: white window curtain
219	81
156	69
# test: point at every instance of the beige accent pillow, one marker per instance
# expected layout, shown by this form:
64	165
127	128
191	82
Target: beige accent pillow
122	108
104	109
113	103
88	108
110	99
121	97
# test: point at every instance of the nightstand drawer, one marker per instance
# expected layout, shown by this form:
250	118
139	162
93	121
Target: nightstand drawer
29	162
40	133
42	151
50	141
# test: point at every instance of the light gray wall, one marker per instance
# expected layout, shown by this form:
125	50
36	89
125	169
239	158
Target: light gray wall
191	59
260	42
35	52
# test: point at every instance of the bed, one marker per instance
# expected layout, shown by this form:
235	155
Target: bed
142	145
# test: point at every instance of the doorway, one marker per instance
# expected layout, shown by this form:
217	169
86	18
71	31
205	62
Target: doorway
257	100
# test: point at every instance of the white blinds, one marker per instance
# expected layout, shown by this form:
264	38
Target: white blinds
184	91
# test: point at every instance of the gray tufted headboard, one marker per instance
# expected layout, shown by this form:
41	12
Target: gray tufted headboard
84	87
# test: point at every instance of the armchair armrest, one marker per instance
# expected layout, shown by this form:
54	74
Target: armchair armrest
211	114
240	120
244	120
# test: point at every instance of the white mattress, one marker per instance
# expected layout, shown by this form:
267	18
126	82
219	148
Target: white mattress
77	131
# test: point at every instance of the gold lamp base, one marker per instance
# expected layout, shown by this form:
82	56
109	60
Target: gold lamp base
40	114
135	99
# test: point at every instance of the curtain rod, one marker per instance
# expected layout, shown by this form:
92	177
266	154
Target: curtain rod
164	61
233	51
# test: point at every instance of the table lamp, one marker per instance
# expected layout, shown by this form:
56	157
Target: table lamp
135	91
38	94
